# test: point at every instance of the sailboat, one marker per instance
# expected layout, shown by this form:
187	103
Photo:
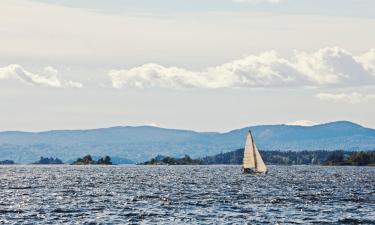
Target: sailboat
252	161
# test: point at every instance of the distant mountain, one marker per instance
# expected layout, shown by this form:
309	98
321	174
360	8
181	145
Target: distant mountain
342	135
144	142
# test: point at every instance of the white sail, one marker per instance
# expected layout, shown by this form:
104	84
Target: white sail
248	157
260	166
252	158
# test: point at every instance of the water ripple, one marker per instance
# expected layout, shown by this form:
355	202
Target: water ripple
185	194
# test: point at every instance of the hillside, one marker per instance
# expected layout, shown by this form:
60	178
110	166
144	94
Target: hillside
144	142
316	157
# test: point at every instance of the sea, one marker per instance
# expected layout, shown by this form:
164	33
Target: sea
132	194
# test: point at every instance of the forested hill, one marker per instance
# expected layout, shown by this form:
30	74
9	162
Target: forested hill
338	157
276	157
141	143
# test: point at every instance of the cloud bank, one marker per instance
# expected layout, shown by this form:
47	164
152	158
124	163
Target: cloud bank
352	98
327	67
49	77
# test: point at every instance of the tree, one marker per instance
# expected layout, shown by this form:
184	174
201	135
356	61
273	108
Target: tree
87	159
336	157
107	160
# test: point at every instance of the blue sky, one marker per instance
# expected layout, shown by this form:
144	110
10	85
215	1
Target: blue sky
203	65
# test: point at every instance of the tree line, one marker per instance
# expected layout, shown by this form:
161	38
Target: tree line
319	157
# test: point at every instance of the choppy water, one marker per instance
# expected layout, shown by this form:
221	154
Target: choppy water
186	195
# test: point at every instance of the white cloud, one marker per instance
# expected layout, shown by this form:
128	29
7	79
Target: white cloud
258	1
352	98
332	66
47	78
368	60
305	123
327	67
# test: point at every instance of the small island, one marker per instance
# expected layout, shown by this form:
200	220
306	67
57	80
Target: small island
88	160
48	161
6	162
166	160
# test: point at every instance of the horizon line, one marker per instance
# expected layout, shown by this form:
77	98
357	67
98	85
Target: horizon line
182	129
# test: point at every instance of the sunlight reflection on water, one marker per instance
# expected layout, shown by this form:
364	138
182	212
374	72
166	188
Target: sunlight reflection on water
186	194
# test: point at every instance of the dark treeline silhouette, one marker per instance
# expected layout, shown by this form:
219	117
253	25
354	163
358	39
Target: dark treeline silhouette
354	159
88	160
320	157
47	160
6	162
166	160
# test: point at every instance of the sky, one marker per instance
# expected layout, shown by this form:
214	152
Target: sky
205	65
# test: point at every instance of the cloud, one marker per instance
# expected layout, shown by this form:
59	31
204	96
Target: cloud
327	67
258	1
352	98
368	60
47	78
305	123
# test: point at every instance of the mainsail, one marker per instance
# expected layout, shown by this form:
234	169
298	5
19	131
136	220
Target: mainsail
252	158
248	157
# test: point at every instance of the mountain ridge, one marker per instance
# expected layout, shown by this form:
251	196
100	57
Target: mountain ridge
140	143
181	129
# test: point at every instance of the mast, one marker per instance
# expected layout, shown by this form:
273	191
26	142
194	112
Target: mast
254	153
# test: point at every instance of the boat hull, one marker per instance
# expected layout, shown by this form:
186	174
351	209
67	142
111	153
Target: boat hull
252	171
